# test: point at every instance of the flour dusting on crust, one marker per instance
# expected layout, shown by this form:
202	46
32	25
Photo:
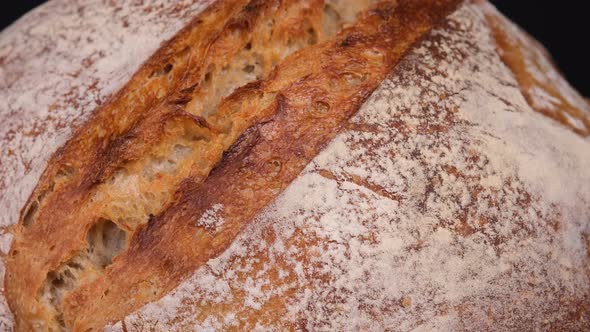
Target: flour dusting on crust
448	203
211	219
57	65
544	87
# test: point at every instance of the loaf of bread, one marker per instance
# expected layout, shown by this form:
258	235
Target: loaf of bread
282	165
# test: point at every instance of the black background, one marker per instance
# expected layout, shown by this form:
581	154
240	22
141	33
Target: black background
562	26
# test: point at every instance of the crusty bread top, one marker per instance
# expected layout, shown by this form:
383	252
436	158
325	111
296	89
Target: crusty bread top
57	64
55	280
434	185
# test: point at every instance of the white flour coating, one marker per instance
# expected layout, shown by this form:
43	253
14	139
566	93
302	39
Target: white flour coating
448	204
544	73
211	219
57	64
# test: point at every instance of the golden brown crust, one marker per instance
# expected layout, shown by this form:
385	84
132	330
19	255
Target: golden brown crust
295	103
123	130
85	159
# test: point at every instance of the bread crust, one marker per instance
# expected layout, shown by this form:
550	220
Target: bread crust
251	145
59	63
94	156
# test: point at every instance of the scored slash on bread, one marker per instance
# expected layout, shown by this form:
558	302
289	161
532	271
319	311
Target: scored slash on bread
174	145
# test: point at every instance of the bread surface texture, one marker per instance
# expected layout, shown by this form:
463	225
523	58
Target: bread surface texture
57	65
301	165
